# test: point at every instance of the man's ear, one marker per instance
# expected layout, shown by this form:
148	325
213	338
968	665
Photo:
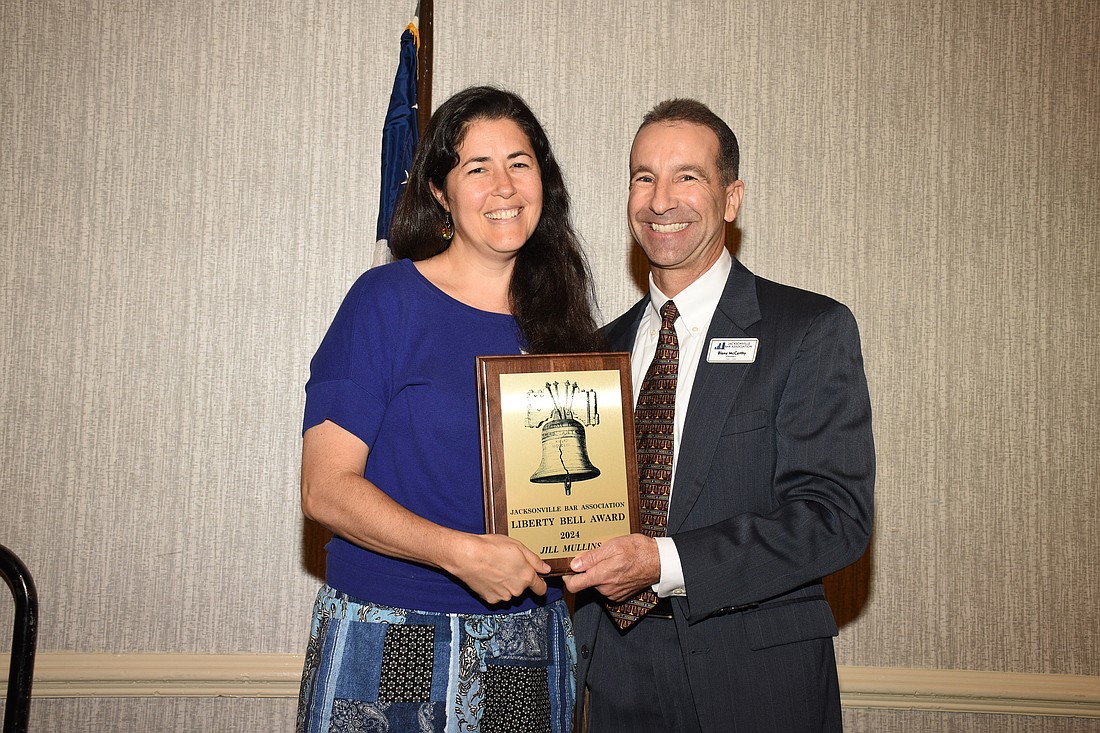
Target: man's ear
735	194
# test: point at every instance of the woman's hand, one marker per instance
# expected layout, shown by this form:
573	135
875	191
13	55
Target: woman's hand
496	567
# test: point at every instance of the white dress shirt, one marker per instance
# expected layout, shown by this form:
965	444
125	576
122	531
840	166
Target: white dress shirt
695	305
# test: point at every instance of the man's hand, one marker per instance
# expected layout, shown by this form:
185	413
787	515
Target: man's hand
618	569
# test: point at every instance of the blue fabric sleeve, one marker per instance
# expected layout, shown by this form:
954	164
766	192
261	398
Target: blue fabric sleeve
347	376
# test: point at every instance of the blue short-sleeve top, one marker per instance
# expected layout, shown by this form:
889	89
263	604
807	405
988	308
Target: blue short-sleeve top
397	369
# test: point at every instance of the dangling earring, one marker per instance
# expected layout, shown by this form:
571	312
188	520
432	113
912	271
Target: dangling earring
447	230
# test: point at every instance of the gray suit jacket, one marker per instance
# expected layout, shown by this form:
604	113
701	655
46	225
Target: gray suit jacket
773	489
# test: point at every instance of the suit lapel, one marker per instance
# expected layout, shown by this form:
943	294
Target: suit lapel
620	333
713	393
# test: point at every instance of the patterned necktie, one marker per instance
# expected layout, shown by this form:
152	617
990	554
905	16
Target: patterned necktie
654	420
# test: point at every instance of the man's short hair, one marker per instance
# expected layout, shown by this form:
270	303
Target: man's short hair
697	113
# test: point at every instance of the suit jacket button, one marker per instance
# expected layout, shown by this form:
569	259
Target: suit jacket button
584	651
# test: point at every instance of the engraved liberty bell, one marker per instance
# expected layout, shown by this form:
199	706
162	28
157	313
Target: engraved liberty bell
564	448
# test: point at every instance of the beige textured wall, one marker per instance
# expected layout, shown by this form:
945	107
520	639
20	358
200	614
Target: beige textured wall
187	189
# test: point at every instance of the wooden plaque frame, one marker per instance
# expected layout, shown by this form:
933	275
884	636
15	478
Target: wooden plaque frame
538	483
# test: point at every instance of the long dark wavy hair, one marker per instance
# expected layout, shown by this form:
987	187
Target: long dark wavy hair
551	289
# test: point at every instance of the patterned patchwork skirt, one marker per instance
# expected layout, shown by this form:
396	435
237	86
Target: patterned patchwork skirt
375	668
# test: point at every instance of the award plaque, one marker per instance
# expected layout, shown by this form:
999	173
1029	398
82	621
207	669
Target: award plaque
558	455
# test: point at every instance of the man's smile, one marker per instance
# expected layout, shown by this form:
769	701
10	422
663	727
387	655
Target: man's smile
669	228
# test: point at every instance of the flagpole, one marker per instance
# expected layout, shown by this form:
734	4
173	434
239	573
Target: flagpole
425	11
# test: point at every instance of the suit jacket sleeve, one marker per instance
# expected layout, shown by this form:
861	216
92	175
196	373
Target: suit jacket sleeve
786	497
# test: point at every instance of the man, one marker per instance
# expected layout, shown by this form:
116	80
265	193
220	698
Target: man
766	449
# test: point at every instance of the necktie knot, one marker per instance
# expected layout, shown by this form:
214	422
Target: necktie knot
669	314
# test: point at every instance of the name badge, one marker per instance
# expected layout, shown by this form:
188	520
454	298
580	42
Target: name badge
732	351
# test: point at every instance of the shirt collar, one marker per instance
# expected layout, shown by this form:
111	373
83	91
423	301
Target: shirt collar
696	303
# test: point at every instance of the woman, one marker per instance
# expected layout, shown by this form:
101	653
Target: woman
425	622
